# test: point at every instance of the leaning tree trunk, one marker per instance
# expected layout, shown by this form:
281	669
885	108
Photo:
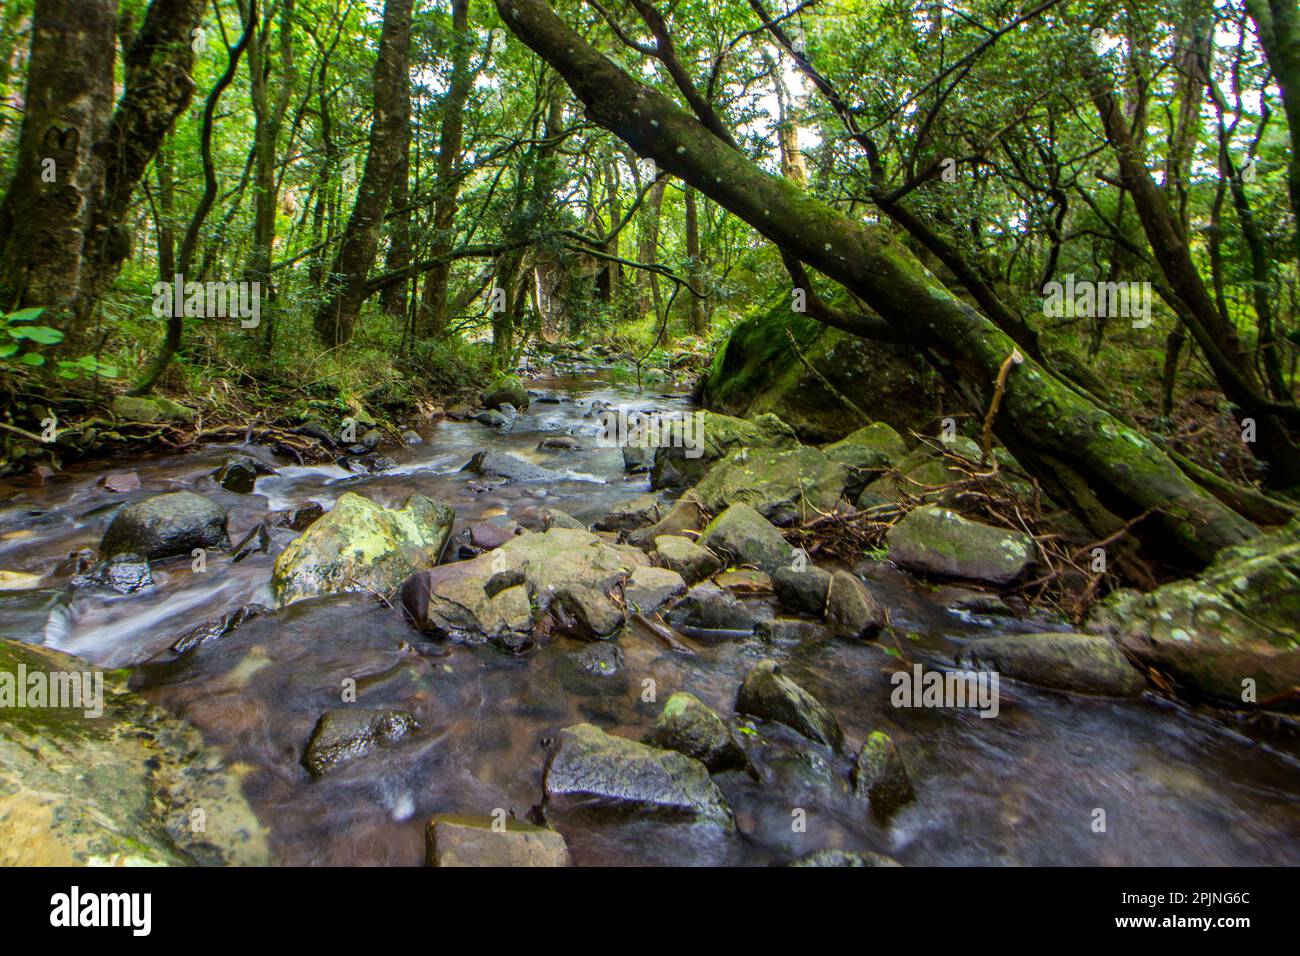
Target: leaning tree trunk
1102	468
347	283
47	210
159	86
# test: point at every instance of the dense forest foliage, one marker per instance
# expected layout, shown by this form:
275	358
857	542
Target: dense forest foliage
279	207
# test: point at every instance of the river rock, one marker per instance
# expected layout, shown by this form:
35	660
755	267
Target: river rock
151	409
1083	663
841	858
1232	633
638	513
802	591
619	773
648	589
220	627
638	459
684	515
361	546
462	601
486	535
348	733
166	525
768	694
711	608
301	517
559	443
498	464
851	610
123	573
867	453
784	485
506	390
681	554
602	659
689	449
239	473
119	789
748	538
880	775
935	540
585	612
120	482
555	518
491	418
690	727
456	840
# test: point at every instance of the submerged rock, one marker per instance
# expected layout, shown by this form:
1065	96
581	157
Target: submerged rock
361	546
496	464
1232	633
784	485
351	732
220	627
603	659
935	540
457	840
165	526
880	775
125	788
618	773
768	694
120	482
690	727
1085	663
748	538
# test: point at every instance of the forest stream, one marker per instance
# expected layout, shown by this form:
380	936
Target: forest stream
1178	786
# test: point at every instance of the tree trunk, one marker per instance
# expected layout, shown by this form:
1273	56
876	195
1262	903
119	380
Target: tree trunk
1103	469
346	285
1277	23
46	212
159	86
699	323
434	317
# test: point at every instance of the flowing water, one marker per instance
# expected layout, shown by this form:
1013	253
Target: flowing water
1176	786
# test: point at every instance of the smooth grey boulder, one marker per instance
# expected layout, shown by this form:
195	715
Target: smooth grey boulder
936	540
351	732
748	538
768	694
165	526
1084	663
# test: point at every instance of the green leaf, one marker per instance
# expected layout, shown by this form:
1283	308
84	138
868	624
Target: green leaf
24	315
8	349
33	358
38	333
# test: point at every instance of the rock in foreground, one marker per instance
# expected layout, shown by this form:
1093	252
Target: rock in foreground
165	526
455	840
617	773
768	694
351	732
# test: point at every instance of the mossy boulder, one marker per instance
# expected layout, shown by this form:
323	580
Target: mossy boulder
131	786
1232	633
757	371
935	540
506	390
688	726
360	545
688	448
880	776
153	409
1082	663
747	537
784	485
679	553
348	733
867	452
165	526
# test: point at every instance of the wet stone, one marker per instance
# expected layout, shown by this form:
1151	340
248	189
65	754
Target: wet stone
349	733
